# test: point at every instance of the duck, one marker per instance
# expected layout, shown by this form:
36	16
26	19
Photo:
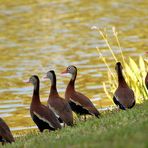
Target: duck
124	96
56	103
42	116
146	81
79	103
5	133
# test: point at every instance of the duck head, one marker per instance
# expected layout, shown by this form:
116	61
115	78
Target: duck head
50	75
33	79
70	69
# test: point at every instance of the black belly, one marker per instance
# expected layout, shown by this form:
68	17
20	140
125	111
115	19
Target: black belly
1	139
60	120
41	124
132	105
78	108
4	140
120	105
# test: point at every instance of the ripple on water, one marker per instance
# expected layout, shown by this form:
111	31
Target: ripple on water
22	90
23	128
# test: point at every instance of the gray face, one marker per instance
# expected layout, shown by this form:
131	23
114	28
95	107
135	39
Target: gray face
33	80
50	75
71	69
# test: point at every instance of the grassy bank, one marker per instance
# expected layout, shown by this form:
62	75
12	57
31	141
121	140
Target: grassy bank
114	129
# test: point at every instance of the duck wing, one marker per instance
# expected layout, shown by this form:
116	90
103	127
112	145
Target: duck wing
62	108
85	102
46	115
125	96
5	131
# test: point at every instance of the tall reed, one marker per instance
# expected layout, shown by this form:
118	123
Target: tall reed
134	72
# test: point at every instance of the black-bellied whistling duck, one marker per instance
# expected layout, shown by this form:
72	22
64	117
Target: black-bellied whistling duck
123	96
57	104
43	117
5	133
79	103
146	81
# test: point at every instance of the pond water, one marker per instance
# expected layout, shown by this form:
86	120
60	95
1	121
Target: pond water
40	35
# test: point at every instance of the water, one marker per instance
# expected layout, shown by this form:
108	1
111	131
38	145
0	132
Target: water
37	36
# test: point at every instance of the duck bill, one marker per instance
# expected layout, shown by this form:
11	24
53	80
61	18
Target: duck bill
26	81
45	78
64	72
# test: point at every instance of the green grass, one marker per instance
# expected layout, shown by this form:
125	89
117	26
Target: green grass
114	129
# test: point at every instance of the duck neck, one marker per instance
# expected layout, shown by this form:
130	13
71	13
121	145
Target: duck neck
121	80
53	88
71	84
36	95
